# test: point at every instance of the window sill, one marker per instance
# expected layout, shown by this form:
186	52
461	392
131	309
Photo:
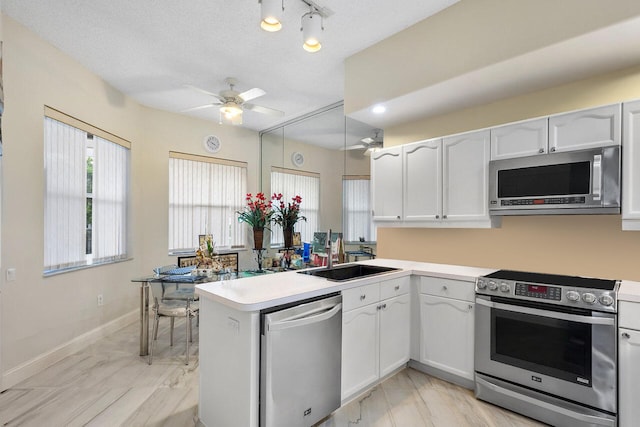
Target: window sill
49	273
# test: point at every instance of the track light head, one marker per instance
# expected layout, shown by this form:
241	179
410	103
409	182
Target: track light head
271	14
312	31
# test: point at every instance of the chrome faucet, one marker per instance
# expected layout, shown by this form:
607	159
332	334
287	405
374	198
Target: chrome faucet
327	247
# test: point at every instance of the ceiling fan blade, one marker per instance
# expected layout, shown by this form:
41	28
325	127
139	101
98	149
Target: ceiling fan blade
251	94
198	108
263	110
356	147
206	92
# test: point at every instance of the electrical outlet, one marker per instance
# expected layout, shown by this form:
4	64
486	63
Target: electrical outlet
11	274
100	300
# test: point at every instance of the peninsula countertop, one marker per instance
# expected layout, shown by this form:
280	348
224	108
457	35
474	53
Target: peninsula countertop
260	292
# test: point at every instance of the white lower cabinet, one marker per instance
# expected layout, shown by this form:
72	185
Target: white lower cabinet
628	366
629	378
375	333
447	326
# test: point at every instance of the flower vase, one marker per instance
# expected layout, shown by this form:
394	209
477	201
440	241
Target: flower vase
288	237
258	237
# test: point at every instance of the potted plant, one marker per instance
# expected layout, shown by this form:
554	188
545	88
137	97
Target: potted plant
257	213
287	215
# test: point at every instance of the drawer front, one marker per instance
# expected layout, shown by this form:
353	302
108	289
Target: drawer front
394	287
629	315
359	297
447	288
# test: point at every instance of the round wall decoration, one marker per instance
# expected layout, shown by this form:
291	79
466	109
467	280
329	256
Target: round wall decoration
212	143
297	159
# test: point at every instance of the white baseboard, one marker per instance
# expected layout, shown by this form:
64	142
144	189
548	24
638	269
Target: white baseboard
22	372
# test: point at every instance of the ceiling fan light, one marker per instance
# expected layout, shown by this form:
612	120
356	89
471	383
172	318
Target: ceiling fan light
312	31
230	110
271	15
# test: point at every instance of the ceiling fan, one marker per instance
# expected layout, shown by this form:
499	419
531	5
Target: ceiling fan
369	144
232	103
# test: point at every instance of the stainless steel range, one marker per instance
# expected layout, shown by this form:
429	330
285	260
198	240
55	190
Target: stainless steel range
545	346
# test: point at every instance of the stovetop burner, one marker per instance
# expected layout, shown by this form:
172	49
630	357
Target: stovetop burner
554	279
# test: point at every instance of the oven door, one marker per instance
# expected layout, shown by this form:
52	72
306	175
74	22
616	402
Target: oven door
569	353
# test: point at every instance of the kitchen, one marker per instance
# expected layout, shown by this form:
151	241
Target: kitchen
26	339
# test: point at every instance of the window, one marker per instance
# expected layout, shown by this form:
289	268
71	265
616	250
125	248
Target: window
356	209
297	183
86	194
204	195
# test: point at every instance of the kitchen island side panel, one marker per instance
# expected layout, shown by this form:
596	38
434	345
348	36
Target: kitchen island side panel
229	365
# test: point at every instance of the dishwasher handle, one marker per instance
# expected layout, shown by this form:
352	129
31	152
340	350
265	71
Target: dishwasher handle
312	316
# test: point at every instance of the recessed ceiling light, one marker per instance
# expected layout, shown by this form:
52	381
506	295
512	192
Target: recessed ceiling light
379	109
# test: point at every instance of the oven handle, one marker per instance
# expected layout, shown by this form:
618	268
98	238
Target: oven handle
552	314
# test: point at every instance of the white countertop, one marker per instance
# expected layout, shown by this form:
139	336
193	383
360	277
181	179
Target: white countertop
629	291
260	292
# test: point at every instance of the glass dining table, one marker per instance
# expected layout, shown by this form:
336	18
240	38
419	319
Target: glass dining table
180	286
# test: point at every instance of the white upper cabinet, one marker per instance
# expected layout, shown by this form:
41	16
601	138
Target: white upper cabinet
465	160
386	184
422	180
520	139
595	127
631	166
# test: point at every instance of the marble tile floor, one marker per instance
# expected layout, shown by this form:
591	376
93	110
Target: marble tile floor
108	384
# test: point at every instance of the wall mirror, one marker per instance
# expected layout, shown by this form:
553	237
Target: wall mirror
323	149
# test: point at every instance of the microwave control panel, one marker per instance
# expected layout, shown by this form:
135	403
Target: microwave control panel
575	200
538	291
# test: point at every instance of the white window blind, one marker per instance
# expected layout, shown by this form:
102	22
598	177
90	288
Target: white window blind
305	185
204	196
80	230
356	209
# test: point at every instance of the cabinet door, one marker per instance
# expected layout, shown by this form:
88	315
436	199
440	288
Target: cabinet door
386	182
422	184
360	349
465	166
631	164
395	317
446	335
596	127
520	139
628	377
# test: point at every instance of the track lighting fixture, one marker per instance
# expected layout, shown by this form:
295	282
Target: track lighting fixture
271	11
312	22
312	31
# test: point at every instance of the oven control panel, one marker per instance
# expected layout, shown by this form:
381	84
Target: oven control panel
592	299
539	291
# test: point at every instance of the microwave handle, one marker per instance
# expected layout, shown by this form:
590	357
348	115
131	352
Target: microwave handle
596	185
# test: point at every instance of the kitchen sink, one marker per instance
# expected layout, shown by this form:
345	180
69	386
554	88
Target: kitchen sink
348	272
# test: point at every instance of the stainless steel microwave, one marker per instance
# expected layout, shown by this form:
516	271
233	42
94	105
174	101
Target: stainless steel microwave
572	182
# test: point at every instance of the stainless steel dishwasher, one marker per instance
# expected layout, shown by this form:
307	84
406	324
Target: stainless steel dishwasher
300	362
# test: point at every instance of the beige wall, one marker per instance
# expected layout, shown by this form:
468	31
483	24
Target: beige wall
38	314
469	36
584	245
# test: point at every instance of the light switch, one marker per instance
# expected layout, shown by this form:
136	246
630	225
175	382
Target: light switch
11	274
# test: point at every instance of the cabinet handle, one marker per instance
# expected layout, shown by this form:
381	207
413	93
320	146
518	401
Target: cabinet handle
398	217
626	335
437	216
470	307
444	288
379	307
397	288
552	149
383	306
541	150
362	297
444	217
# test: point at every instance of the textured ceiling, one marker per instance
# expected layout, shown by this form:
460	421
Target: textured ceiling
150	50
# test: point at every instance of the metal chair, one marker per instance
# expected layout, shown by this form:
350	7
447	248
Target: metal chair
184	307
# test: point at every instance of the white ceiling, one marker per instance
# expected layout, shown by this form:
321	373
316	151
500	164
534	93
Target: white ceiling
150	50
